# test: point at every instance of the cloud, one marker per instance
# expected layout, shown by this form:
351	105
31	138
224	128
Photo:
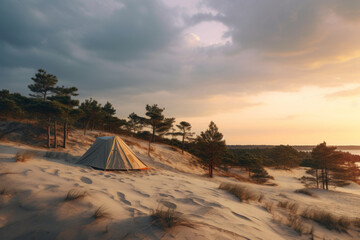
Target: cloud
141	51
306	32
349	93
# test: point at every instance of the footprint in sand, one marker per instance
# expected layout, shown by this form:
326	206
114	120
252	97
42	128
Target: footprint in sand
25	173
122	198
84	171
141	193
168	204
241	216
86	180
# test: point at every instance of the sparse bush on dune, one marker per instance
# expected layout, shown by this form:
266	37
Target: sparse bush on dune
241	192
356	222
290	217
296	223
289	205
4	191
24	156
327	219
74	194
306	192
100	213
167	218
269	206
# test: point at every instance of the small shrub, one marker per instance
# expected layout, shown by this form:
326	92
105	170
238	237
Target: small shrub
269	206
356	222
100	213
327	219
296	223
24	156
291	206
283	195
74	194
241	192
4	192
305	191
167	218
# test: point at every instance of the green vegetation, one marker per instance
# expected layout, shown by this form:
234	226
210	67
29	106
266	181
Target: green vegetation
330	167
211	146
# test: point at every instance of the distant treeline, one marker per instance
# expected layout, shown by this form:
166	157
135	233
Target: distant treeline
327	165
297	147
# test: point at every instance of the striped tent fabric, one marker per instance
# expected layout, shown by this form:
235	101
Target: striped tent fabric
111	153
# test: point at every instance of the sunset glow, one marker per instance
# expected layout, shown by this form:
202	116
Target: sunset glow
267	72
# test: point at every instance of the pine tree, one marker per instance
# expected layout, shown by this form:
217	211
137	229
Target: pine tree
157	122
134	123
91	111
212	146
184	132
63	96
44	84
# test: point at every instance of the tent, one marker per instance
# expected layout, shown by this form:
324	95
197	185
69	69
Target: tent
111	153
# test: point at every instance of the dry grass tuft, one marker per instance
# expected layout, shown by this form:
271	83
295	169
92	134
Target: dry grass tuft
306	192
241	192
296	223
269	206
356	222
167	218
291	206
24	156
100	213
75	194
327	219
4	192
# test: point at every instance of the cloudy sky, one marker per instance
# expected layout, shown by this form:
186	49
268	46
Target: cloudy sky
266	71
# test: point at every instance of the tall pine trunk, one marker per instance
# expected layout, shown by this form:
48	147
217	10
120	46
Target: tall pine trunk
317	178
153	134
65	134
183	142
149	146
152	138
86	124
326	179
322	178
211	168
49	132
55	134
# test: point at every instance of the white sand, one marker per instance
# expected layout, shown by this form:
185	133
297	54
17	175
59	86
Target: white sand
35	207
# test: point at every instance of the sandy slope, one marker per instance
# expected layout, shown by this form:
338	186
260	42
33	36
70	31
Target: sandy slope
35	208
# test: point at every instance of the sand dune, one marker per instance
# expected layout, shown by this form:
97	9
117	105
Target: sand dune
33	205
